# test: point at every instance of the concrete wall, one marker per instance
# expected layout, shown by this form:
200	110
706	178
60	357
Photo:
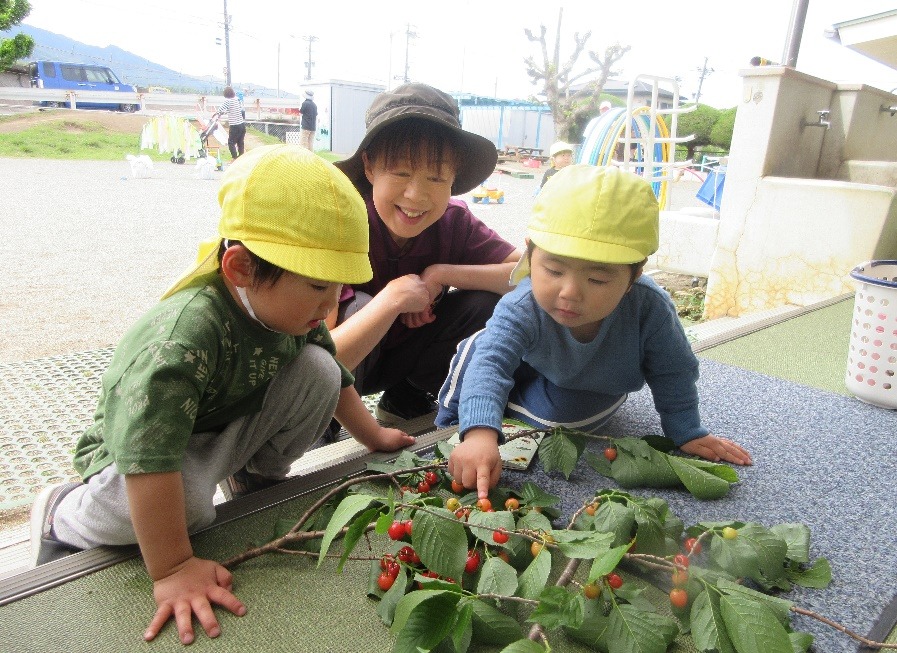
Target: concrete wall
798	212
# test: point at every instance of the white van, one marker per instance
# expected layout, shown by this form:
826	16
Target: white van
80	77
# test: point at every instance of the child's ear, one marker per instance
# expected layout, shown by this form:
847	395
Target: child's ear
236	266
636	273
368	167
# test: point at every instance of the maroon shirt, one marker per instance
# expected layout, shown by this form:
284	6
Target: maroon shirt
457	238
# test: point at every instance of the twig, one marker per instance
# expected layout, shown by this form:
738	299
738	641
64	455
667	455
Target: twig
536	632
834	624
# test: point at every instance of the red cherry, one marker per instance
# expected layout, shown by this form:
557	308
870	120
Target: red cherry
693	546
407	527
500	536
473	561
431	477
610	453
385	581
615	581
396	530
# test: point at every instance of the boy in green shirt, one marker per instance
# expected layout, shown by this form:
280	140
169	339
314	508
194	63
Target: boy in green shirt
232	372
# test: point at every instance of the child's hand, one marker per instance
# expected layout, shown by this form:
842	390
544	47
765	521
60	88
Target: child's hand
192	588
408	294
387	439
718	449
476	461
414	320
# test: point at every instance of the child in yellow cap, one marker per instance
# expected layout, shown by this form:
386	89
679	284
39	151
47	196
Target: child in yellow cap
233	371
582	329
560	155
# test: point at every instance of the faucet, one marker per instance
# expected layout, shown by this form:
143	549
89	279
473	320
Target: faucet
823	120
888	109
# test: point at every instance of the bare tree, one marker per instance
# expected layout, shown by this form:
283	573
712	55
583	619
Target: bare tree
556	79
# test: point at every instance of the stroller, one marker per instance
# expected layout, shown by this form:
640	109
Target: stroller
204	149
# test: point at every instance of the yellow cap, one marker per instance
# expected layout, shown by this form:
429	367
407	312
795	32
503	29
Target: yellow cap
599	214
293	209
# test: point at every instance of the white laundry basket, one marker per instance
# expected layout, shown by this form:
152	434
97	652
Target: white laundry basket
872	357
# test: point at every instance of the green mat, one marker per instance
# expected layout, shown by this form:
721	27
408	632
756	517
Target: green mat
810	349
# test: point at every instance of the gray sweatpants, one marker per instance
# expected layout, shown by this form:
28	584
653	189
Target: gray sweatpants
298	406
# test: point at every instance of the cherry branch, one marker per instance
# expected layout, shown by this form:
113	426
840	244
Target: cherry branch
834	624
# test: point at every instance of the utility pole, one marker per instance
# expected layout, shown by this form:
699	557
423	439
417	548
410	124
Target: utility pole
227	77
408	36
705	72
308	64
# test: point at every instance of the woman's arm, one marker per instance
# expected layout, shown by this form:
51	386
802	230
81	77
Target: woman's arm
493	277
356	337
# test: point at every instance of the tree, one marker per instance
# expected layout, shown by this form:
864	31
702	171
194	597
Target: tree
699	122
13	12
557	79
721	134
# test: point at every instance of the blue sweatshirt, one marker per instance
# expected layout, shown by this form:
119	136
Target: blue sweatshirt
641	341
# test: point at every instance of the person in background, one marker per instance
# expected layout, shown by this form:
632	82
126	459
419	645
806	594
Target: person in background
560	155
604	107
309	122
438	270
582	330
232	374
236	124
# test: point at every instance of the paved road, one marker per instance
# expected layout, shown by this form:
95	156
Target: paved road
86	249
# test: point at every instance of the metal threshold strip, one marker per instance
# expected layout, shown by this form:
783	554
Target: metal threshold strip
318	468
751	326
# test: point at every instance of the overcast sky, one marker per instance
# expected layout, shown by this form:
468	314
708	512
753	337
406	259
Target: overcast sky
466	45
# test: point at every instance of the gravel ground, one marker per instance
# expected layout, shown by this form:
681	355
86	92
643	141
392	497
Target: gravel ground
86	249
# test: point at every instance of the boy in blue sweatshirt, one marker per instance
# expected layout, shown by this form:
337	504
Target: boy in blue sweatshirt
582	329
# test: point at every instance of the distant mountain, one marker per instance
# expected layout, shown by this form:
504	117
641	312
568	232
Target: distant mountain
131	68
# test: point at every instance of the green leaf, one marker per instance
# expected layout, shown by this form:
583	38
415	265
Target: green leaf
535	576
500	519
779	607
560	451
594	626
817	576
523	646
558	607
752	626
660	442
755	553
722	471
615	518
423	619
607	562
492	626
444	449
581	544
440	541
533	495
497	577
801	641
633	631
463	629
650	531
797	537
354	533
534	521
345	511
702	484
390	599
651	464
708	631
